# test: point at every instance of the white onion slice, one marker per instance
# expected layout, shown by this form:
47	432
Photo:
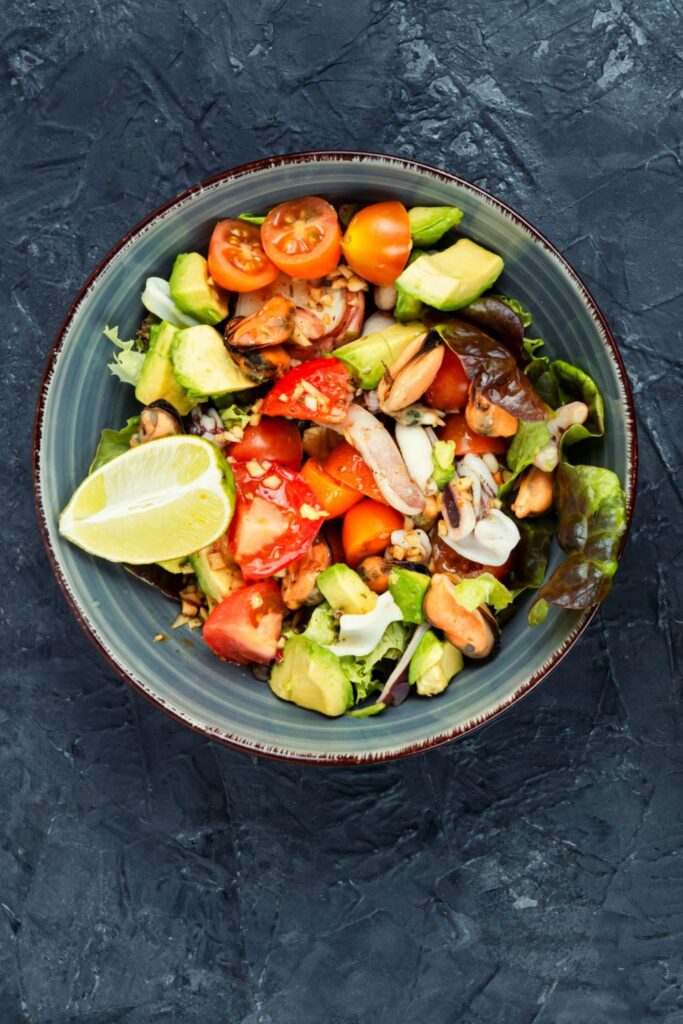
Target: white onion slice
156	298
403	664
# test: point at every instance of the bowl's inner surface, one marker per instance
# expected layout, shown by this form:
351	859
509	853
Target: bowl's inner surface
83	397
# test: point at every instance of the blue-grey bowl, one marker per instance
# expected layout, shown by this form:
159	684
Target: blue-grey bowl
78	397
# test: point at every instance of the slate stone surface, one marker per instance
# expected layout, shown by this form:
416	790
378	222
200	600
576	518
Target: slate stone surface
532	874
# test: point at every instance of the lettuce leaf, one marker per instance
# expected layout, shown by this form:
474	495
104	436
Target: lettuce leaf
235	415
322	626
517	307
482	589
591	507
530	557
495	316
443	458
576	386
127	364
360	671
113	443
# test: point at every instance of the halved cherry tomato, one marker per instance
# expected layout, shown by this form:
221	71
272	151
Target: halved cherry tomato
336	498
303	237
376	244
246	625
318	390
276	518
445	559
348	466
237	260
275	438
466	441
450	388
367	529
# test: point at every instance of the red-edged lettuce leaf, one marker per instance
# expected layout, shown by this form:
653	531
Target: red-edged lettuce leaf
591	509
497	318
491	368
530	557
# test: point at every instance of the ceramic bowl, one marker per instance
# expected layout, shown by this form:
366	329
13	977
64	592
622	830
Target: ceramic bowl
78	397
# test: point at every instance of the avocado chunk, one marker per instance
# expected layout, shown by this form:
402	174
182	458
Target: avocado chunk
157	379
407	308
453	278
215	575
429	223
194	292
344	590
433	665
202	364
312	677
369	357
408	589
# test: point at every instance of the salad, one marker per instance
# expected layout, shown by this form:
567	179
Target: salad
350	458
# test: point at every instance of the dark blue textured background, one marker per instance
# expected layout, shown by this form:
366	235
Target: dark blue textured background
531	874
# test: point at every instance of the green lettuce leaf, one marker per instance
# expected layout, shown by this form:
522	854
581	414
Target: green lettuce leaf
576	386
360	671
113	443
483	589
235	415
443	458
127	364
322	626
591	508
517	307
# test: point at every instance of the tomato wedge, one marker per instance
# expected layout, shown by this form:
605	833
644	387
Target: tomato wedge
237	260
449	390
348	466
335	497
318	390
303	237
466	441
276	518
275	438
376	244
367	529
246	625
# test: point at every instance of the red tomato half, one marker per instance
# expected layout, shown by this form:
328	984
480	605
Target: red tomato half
236	257
450	388
346	464
276	518
246	625
275	439
376	244
303	237
466	441
318	390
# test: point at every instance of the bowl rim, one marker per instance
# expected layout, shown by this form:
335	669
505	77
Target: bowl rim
323	156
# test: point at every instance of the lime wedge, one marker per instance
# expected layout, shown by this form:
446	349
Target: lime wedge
165	499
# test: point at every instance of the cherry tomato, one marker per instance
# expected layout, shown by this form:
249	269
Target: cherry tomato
335	497
275	438
246	625
236	257
276	518
367	529
466	441
445	559
303	237
318	390
348	466
449	390
376	244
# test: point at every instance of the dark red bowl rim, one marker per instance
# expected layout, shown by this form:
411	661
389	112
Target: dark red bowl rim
298	158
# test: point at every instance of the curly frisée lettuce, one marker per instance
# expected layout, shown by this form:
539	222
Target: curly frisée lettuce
482	589
127	364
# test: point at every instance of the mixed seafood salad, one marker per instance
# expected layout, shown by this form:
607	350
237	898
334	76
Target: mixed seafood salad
350	458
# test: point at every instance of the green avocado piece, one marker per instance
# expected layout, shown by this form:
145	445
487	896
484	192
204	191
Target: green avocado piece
312	677
453	278
369	357
193	290
157	379
217	581
433	665
345	591
429	223
407	308
202	364
408	589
